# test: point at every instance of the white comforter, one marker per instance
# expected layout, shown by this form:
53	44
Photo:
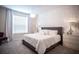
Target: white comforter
41	42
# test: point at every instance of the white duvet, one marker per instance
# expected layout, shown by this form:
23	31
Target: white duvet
41	42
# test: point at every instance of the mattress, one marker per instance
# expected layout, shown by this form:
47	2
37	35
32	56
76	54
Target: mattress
41	42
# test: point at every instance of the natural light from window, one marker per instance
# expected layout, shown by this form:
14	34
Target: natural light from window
20	24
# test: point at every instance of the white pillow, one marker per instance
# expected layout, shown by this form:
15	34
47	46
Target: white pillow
53	32
45	32
48	32
41	32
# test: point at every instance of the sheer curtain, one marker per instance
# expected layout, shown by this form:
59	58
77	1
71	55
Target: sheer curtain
9	19
9	24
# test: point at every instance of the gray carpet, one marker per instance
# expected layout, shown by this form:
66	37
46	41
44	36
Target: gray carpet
16	47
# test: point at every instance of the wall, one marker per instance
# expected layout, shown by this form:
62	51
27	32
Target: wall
32	24
58	16
2	19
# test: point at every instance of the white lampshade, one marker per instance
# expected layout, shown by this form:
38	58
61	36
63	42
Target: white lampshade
32	15
72	20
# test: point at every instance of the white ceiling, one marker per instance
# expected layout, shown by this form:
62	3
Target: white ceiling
36	9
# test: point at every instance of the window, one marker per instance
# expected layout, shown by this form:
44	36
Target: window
20	23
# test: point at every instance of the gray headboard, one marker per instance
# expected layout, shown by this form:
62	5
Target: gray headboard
59	29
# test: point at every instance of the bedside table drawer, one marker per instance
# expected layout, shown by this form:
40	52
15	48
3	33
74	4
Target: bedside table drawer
71	41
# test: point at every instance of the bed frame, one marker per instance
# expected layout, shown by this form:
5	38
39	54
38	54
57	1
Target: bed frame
60	32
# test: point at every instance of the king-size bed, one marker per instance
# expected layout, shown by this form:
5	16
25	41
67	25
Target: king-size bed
43	41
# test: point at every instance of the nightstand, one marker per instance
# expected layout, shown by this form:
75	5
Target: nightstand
71	41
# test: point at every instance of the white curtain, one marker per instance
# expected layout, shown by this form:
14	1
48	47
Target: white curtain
9	24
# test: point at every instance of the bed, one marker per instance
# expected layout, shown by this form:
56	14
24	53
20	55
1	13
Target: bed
43	43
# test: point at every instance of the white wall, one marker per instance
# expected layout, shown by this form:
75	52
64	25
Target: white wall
58	16
32	24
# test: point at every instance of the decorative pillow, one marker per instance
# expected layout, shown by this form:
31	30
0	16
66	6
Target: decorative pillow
41	32
45	32
48	32
53	32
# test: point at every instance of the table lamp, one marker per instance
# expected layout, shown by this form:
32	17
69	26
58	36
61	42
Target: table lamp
70	25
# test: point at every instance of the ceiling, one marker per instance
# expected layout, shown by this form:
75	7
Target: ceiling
36	9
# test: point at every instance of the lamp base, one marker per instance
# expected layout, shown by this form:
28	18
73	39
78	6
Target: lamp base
69	32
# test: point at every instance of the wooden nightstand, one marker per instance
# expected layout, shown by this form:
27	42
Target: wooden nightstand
71	41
